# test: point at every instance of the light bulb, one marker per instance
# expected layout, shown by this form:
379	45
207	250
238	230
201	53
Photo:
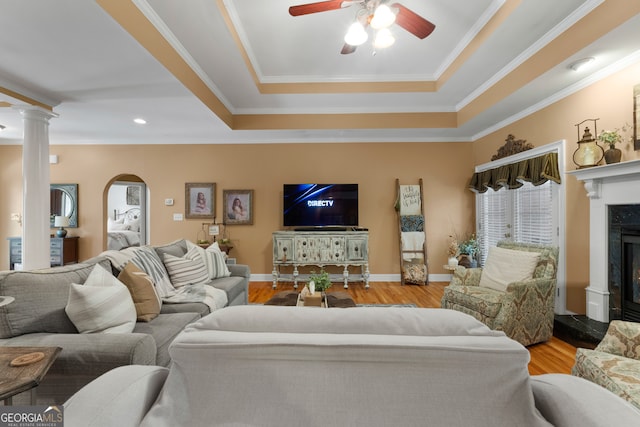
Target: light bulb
356	35
384	38
383	17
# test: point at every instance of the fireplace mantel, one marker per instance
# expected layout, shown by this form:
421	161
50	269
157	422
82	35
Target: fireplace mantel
615	184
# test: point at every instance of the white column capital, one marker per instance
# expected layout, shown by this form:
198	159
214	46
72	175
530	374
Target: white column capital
33	112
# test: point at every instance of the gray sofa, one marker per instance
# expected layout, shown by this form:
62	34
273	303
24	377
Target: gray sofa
290	366
37	317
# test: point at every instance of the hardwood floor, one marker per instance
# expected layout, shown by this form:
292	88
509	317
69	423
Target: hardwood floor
554	356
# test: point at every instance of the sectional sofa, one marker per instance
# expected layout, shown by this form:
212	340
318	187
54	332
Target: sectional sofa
366	366
39	317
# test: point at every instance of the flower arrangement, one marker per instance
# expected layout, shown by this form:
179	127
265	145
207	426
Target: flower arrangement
321	280
453	249
469	246
613	137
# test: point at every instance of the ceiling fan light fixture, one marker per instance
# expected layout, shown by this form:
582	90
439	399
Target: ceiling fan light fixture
356	35
383	17
384	38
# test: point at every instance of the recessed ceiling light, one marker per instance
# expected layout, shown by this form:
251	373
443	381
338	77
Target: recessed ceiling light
140	121
581	63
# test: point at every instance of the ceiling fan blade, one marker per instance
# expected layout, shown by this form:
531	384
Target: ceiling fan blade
347	49
412	22
321	6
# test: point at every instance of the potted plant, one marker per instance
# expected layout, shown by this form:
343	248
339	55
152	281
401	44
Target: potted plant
321	281
469	249
611	138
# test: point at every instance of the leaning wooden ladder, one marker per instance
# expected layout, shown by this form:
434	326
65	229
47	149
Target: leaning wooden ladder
413	238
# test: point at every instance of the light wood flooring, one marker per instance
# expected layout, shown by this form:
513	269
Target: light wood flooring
554	356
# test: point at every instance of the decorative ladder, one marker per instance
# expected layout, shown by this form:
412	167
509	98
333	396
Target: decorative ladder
412	236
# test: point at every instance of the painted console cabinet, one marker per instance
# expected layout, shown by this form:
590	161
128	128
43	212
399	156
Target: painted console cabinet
63	251
293	249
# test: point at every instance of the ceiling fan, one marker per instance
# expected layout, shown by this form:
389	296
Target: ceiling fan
374	13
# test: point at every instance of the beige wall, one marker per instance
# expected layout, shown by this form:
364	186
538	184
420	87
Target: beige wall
611	100
444	167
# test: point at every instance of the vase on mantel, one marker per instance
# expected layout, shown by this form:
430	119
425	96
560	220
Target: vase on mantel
612	155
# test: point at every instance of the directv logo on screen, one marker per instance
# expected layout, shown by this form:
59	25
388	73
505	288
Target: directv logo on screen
320	203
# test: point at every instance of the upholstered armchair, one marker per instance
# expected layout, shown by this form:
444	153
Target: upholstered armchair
615	362
522	309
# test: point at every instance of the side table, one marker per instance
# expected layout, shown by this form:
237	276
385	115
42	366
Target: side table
16	379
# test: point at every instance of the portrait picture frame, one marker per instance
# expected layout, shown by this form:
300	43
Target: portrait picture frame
636	117
200	200
237	207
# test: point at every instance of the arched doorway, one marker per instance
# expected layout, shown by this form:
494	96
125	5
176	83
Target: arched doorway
127	218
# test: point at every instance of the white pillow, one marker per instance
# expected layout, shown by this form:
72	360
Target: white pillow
187	270
213	258
133	224
506	266
102	304
118	227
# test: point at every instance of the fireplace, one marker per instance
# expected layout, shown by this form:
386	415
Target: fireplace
614	206
630	266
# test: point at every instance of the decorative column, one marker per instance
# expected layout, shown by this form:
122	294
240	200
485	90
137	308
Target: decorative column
35	188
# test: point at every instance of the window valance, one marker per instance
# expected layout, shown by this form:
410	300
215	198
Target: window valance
537	171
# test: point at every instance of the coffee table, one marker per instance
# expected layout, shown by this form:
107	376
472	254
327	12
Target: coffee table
334	299
16	379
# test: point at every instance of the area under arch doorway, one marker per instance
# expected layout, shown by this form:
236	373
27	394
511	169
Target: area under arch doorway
127	213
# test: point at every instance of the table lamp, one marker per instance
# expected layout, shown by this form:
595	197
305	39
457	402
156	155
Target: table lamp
61	221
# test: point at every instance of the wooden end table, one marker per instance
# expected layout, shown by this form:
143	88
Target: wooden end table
16	379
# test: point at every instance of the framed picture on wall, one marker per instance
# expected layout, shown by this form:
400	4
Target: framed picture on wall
636	117
133	195
238	207
200	200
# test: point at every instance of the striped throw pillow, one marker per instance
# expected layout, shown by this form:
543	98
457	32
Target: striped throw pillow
186	270
101	304
213	258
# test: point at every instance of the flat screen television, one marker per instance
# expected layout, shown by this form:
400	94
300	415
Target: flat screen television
320	205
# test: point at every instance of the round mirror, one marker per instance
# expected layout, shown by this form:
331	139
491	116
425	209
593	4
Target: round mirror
64	202
61	203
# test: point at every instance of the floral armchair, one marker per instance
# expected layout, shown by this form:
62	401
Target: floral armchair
524	312
615	362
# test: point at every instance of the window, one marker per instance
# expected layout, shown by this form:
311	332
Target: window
528	214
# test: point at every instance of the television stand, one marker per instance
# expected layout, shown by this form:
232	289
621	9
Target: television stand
294	249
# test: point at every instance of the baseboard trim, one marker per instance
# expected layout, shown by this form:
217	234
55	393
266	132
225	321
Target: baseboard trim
372	278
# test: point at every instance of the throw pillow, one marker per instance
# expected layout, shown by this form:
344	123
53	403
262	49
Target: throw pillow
146	258
142	291
119	227
102	304
415	273
506	266
213	258
186	270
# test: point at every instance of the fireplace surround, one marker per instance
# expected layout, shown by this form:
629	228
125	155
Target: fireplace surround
630	269
613	191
